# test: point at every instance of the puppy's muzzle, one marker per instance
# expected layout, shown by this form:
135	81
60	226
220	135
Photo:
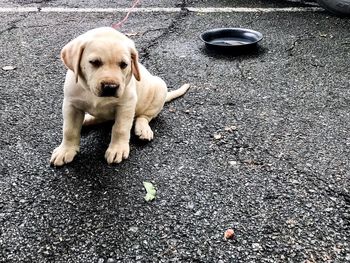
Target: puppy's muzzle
108	89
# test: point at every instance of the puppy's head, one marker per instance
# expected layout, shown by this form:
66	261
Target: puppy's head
103	61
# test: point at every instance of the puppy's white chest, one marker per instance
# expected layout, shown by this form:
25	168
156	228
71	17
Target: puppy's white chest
104	107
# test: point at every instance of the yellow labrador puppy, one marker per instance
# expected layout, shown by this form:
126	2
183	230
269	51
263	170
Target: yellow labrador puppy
104	82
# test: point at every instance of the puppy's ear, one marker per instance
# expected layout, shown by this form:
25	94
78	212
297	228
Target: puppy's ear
71	56
135	64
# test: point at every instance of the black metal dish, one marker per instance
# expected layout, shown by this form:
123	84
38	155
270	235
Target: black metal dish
231	39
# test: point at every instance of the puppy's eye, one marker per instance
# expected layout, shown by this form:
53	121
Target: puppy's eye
95	62
123	65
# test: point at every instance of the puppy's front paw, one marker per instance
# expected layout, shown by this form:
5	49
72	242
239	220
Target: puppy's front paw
63	155
117	152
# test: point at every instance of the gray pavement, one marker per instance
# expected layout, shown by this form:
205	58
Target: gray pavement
277	173
155	3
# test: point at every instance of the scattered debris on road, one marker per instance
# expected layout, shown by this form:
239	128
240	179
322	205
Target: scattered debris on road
231	128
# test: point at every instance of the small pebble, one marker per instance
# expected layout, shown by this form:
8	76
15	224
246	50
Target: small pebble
233	163
6	68
229	233
256	246
134	229
217	136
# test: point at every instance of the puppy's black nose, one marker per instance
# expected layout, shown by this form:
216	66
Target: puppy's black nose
108	89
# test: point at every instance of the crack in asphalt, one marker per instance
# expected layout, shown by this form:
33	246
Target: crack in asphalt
153	30
13	25
173	27
297	42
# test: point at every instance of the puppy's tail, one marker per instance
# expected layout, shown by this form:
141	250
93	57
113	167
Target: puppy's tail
177	93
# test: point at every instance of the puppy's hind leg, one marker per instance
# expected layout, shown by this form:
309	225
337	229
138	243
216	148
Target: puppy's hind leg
142	128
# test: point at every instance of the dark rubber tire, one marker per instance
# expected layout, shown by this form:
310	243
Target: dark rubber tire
338	7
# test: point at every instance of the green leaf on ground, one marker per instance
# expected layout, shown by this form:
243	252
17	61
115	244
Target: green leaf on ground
151	191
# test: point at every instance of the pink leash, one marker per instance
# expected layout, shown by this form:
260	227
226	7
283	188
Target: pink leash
120	24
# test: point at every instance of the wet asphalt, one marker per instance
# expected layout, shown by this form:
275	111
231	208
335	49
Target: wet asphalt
259	144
